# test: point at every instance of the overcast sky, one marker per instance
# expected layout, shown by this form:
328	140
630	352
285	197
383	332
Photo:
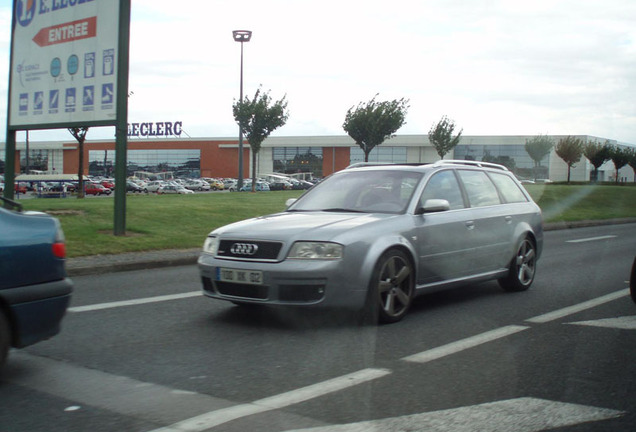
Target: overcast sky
503	67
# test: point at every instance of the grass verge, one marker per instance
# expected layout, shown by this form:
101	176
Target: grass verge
156	222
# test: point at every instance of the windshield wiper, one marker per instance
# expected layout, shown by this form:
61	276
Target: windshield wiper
342	210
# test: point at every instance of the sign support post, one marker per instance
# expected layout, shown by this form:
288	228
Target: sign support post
121	127
9	165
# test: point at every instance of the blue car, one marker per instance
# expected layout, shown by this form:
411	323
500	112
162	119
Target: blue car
34	289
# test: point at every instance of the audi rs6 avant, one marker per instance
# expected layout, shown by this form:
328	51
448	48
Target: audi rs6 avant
371	238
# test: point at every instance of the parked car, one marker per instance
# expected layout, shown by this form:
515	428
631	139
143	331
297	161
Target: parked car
198	185
154	186
20	188
372	238
34	289
261	186
108	184
279	185
230	184
173	189
96	189
133	187
216	184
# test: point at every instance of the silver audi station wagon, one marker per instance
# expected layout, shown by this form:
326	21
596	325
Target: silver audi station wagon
372	237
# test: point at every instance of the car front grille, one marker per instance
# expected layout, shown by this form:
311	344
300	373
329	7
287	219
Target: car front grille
249	250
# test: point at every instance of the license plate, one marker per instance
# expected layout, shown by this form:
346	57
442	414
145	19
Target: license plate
251	277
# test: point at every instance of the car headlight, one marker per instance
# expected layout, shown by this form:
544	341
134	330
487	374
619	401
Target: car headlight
316	250
211	245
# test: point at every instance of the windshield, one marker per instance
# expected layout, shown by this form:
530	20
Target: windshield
361	191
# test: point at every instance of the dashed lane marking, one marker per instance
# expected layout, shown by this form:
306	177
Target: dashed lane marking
464	344
561	313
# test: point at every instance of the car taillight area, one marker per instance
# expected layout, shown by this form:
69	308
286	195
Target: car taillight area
59	245
59	250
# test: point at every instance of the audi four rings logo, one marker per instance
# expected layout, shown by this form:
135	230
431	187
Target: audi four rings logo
243	249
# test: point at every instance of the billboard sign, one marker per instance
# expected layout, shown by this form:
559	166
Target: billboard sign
63	63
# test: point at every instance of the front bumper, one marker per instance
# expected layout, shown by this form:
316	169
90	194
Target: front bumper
290	282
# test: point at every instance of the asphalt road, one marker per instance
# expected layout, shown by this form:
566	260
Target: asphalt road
145	351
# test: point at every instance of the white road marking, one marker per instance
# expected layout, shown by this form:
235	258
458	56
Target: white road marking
456	422
561	313
81	386
464	344
589	239
218	417
134	302
519	415
622	323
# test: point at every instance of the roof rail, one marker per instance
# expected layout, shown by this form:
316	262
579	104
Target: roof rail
471	163
372	164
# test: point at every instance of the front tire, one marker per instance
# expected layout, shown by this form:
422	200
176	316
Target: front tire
392	287
522	268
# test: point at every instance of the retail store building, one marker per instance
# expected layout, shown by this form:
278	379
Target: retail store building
319	155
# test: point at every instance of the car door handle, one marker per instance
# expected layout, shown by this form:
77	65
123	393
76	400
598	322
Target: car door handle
470	225
508	219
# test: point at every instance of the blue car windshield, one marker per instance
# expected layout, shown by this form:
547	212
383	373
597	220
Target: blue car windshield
366	191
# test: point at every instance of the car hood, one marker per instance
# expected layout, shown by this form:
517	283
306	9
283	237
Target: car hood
298	226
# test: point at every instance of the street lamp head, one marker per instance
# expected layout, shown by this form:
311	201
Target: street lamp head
242	35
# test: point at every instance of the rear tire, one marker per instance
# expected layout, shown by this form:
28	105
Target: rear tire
522	268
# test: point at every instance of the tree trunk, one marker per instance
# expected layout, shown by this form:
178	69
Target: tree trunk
254	154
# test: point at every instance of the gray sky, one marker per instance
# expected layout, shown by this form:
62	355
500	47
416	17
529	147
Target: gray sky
503	67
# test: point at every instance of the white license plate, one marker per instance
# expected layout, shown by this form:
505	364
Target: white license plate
252	277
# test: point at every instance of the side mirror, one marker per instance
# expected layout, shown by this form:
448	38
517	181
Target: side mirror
290	201
434	206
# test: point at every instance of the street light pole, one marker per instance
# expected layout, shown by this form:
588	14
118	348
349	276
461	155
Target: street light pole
241	36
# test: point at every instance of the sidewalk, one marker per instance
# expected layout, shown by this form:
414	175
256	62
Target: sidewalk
99	264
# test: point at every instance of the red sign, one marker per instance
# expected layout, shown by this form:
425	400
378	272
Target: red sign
67	32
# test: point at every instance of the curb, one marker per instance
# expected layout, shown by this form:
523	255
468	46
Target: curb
100	264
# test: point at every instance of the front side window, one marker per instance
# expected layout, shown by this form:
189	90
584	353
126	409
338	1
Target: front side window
443	185
480	189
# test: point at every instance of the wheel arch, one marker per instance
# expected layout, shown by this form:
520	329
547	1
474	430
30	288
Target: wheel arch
522	232
379	248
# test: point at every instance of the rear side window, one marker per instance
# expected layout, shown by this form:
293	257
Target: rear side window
480	189
509	189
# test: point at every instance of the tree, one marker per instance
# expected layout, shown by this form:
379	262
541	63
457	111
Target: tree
257	118
597	154
441	136
80	135
570	149
632	160
372	123
620	157
537	148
